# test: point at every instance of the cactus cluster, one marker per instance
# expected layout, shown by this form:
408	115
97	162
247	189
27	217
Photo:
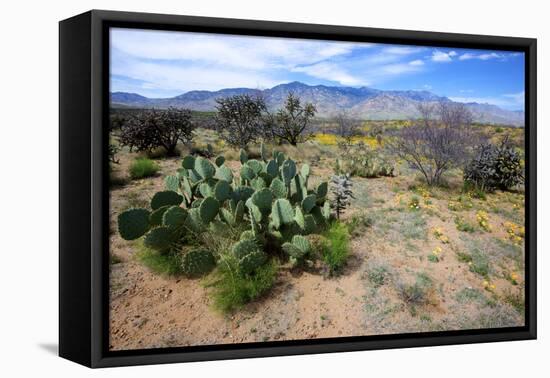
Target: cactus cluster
270	199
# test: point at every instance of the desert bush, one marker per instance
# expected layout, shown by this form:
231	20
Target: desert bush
341	193
241	119
441	139
151	129
415	293
231	290
494	167
346	127
336	249
292	123
143	167
361	160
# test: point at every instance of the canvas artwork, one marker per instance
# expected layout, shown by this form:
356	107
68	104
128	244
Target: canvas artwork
271	189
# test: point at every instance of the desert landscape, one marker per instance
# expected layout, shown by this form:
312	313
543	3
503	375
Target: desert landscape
421	258
297	189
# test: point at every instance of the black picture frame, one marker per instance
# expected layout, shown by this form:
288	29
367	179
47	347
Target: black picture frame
83	196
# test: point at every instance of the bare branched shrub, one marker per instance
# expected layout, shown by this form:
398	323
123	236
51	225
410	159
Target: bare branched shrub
441	139
293	121
152	129
346	127
240	119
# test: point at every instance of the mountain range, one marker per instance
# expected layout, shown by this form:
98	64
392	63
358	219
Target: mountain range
363	102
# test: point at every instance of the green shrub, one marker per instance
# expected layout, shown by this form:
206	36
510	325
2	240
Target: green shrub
464	225
336	249
495	167
378	275
231	290
143	167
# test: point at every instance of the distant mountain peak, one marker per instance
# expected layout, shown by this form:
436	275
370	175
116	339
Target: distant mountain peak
363	102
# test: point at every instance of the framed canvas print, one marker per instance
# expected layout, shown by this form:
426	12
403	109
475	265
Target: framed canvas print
234	188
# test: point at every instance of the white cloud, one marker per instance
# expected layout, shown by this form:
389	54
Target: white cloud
487	56
442	57
417	62
514	101
330	71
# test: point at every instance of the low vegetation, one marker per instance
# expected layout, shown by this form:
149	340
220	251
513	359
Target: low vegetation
143	167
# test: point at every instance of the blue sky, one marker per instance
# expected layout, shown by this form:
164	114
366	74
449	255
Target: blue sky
166	64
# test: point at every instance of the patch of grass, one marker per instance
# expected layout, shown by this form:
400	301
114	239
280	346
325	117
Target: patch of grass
463	225
168	264
433	258
469	294
336	249
417	292
516	300
464	257
479	263
134	199
359	223
378	275
231	291
413	225
143	167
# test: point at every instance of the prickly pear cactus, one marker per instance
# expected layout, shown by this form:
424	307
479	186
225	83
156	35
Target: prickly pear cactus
267	201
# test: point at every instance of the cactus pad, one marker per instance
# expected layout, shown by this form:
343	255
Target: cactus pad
224	173
305	171
222	190
133	223
243	248
172	183
159	238
206	190
155	219
249	263
262	199
282	213
165	198
174	217
198	262
188	162
278	188
247	173
208	209
322	191
256	166
288	171
308	203
204	168
220	160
